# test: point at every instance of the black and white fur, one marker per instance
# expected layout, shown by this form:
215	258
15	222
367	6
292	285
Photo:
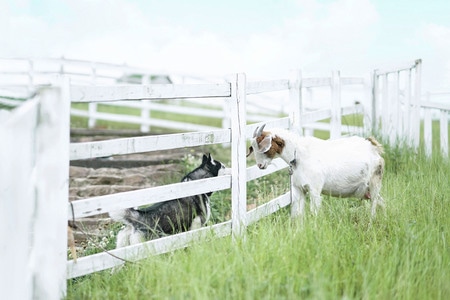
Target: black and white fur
169	217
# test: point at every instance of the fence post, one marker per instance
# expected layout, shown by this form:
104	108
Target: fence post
145	109
407	111
34	187
375	101
92	106
416	104
49	249
335	122
295	96
427	129
238	156
16	190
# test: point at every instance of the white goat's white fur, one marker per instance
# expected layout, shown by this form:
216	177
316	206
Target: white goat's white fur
345	167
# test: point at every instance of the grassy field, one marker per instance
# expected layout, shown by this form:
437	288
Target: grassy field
340	254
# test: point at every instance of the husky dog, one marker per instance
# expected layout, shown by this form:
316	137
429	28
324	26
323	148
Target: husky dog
169	217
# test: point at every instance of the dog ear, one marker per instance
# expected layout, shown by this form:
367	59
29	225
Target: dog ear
204	159
250	151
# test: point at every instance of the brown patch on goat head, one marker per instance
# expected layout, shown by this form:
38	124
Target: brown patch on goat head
277	144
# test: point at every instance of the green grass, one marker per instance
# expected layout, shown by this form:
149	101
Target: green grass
403	254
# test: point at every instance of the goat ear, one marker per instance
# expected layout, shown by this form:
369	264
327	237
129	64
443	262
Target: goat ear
265	144
250	151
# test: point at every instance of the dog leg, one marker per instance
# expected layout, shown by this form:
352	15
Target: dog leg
123	237
136	237
196	223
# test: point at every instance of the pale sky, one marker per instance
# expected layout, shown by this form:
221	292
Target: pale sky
262	38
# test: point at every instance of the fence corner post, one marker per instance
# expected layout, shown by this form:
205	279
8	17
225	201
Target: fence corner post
238	156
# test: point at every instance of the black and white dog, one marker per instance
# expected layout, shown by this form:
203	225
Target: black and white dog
172	216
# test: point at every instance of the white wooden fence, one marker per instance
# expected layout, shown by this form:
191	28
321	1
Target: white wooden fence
45	133
34	188
34	180
235	93
398	107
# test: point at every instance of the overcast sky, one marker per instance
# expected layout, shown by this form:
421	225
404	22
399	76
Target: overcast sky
263	38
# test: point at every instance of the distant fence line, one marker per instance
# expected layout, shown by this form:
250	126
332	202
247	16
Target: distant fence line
398	107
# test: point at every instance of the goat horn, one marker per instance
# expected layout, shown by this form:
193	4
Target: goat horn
254	132
259	130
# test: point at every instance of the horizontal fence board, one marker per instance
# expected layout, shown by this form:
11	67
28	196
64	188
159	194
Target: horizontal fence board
147	144
104	204
257	87
268	208
106	260
399	68
155	91
435	105
277	164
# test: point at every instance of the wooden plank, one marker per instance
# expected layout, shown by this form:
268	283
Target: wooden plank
296	101
398	68
17	131
48	253
268	208
437	105
335	121
147	144
238	157
103	261
154	91
416	104
104	204
257	87
254	172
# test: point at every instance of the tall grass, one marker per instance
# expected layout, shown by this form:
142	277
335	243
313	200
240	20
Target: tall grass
404	253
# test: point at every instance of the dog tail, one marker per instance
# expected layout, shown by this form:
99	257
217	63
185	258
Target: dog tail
127	216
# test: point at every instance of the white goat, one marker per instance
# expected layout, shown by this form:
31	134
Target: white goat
345	167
